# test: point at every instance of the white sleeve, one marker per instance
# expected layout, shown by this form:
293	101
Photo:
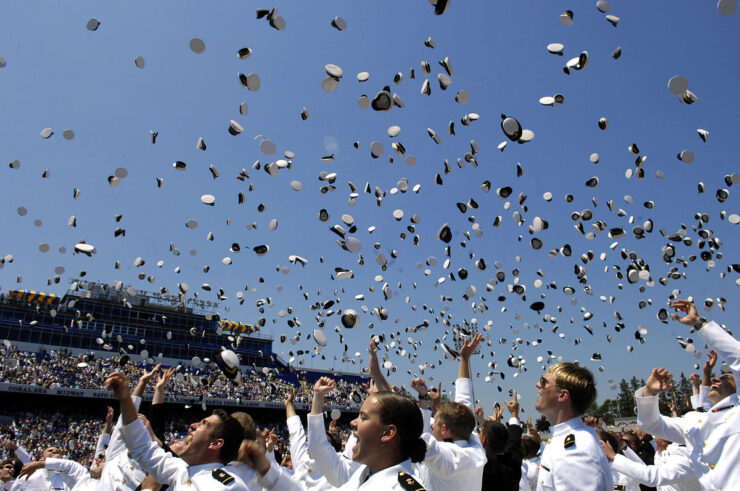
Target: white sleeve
464	392
162	466
704	398
652	422
727	347
670	472
348	445
22	455
71	472
298	447
326	460
278	479
426	416
103	440
116	443
444	459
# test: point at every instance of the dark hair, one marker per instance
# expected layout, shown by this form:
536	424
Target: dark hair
496	436
611	438
231	432
458	417
530	447
402	411
335	441
248	425
17	465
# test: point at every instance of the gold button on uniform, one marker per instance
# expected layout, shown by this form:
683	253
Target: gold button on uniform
189	482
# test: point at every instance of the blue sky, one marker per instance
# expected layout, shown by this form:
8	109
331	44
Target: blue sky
62	76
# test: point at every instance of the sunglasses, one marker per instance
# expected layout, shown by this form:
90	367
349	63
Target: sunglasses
8	466
544	382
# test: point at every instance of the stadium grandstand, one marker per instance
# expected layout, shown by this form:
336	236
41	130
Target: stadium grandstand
65	346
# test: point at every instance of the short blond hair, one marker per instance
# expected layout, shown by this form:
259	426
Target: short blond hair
578	381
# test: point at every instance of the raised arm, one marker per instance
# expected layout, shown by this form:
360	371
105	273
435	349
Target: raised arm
677	468
19	451
104	437
464	384
298	442
336	469
374	367
648	415
717	338
144	380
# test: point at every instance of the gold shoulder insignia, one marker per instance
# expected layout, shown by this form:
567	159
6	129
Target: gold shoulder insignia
408	482
222	476
570	440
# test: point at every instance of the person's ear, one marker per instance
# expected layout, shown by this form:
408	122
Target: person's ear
216	444
389	433
563	395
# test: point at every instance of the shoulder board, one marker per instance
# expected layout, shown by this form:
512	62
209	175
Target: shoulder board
408	482
570	441
222	476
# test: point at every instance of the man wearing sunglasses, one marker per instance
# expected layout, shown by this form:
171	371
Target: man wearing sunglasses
712	438
7	473
574	458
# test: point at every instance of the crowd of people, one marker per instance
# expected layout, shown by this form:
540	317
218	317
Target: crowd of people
403	442
62	369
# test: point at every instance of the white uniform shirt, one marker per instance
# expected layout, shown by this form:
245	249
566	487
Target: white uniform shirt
120	472
580	466
727	347
672	470
453	465
168	469
626	482
712	438
304	467
41	480
334	467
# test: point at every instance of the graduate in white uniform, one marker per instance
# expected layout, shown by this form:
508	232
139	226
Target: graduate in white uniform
455	457
75	476
712	438
43	480
574	458
120	472
672	470
215	442
388	432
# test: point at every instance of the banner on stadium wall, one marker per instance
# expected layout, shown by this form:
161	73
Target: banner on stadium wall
33	296
104	394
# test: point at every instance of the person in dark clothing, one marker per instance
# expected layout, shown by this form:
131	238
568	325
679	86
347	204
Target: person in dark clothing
503	446
646	452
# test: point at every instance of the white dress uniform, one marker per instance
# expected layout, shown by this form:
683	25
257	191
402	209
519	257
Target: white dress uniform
7	485
120	472
672	470
712	438
304	467
450	466
574	460
397	477
41	480
727	347
334	467
625	482
77	477
168	469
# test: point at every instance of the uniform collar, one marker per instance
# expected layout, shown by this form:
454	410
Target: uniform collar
727	402
391	471
572	424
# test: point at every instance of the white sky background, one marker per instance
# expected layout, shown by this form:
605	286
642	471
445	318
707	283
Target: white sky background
61	75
